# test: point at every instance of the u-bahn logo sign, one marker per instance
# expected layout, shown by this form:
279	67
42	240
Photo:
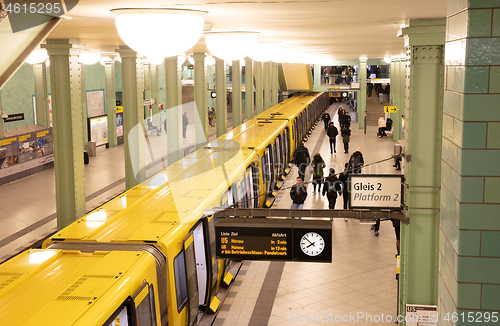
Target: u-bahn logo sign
27	14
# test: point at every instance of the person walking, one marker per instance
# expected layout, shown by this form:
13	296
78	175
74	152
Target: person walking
301	159
318	164
298	193
369	86
345	183
326	119
357	161
387	92
381	94
346	137
185	123
332	133
331	187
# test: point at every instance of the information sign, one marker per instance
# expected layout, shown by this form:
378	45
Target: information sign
98	130
420	315
290	240
390	109
376	191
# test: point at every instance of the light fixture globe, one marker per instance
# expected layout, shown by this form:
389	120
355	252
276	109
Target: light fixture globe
231	46
159	32
265	51
89	58
37	56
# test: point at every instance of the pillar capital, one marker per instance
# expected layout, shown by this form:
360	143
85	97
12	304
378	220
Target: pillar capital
198	56
126	52
425	32
62	47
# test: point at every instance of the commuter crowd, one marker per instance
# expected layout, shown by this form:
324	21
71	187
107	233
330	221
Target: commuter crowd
334	184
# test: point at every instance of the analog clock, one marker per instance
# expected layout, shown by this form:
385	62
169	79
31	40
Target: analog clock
312	244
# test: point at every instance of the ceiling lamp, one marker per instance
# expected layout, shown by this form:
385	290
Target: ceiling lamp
179	30
210	60
89	58
387	60
37	56
265	51
155	60
231	45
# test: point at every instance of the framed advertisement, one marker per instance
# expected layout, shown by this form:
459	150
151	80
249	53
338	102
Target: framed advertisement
98	130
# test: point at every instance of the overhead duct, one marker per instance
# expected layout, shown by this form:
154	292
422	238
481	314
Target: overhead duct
22	43
297	76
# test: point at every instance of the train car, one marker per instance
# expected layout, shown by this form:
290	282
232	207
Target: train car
164	220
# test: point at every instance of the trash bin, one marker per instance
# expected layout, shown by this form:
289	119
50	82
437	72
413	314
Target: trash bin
85	157
92	149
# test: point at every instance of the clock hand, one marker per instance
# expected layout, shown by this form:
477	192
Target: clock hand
312	244
308	240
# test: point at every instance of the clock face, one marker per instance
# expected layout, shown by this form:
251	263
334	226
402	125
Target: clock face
312	244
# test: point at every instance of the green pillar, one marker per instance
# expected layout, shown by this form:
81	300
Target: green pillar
395	84
274	84
173	106
361	101
249	101
266	82
402	97
41	95
424	39
469	241
259	88
211	85
133	116
67	110
155	94
317	77
109	76
237	113
220	99
1	119
200	98
147	87
85	133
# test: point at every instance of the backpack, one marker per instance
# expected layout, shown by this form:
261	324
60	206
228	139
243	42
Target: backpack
356	161
332	131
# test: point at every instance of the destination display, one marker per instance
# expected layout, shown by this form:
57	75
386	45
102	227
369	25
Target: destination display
290	240
376	191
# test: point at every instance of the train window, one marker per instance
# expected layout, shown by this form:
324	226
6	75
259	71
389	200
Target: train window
145	309
243	193
250	188
180	281
123	316
287	145
215	265
192	279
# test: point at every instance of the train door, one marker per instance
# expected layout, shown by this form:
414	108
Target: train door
266	170
191	279
200	252
286	145
138	309
250	187
212	259
279	158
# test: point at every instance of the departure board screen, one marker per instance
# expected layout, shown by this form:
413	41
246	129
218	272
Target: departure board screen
271	239
252	243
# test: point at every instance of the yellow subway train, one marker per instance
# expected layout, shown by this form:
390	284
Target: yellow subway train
147	257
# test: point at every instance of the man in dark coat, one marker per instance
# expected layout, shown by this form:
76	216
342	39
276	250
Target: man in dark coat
326	119
298	193
301	158
332	133
331	187
344	181
356	161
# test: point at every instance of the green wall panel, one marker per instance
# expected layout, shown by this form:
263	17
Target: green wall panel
479	217
491	297
476	80
17	96
478	270
496	23
479	23
490	243
492	191
483	3
483	51
494	80
493	134
479	107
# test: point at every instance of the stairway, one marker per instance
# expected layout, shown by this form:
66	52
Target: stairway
374	110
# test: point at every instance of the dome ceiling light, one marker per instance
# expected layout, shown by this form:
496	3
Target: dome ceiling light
179	29
231	46
37	56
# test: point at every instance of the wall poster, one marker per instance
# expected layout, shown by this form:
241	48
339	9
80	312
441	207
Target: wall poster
95	103
98	130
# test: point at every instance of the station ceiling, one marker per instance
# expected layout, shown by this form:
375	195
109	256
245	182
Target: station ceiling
337	29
